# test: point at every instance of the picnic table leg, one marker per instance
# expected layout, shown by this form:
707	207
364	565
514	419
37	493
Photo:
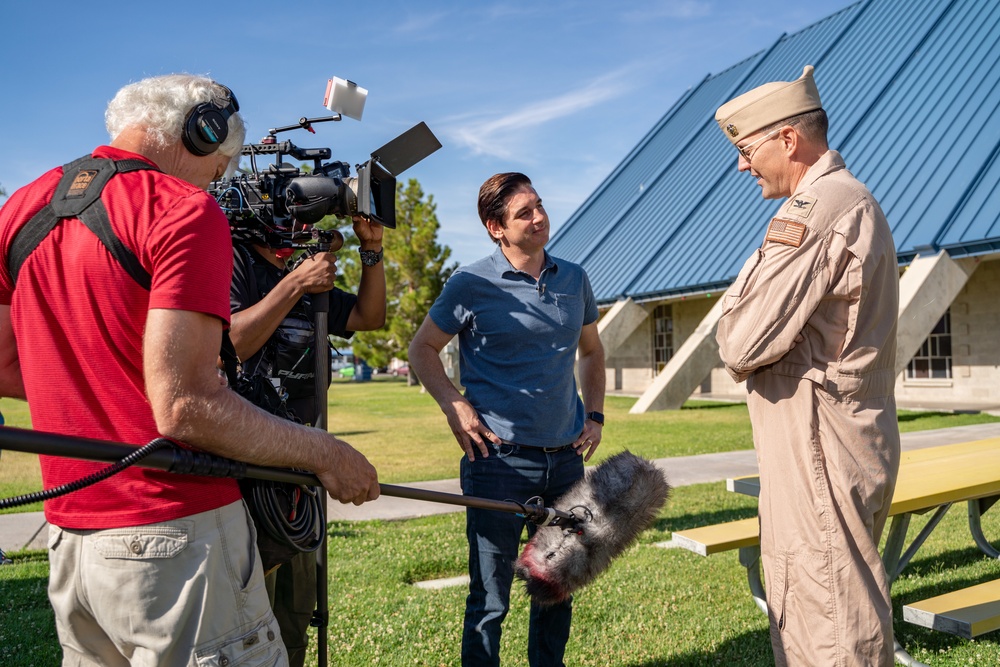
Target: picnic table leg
891	558
894	541
976	510
750	559
895	560
904	658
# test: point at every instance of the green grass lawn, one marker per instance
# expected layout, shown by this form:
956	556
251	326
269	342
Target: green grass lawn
653	607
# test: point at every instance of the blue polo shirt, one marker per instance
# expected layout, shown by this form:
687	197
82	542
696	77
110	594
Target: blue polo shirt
517	342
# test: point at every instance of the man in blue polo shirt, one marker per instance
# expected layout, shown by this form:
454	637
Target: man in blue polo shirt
520	316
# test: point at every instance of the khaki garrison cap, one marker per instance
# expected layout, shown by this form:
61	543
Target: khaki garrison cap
768	104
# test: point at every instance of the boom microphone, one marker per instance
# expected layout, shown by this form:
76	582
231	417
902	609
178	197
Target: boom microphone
577	538
618	499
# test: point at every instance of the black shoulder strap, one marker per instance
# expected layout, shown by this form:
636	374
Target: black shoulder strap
249	262
230	362
78	195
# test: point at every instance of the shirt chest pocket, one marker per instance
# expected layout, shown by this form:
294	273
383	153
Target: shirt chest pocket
569	310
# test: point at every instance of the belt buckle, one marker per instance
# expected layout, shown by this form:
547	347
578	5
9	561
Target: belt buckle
553	450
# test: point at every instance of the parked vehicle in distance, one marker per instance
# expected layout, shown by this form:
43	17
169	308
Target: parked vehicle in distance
341	359
400	371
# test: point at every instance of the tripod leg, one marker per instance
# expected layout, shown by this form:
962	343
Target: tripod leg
321	615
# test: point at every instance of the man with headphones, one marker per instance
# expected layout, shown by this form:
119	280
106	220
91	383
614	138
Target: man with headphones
114	281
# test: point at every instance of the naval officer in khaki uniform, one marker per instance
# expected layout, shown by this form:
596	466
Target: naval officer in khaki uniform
810	324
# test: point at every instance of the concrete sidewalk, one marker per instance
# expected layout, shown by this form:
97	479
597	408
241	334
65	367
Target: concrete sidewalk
27	530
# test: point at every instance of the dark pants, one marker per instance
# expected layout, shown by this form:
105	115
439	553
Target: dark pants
510	473
292	591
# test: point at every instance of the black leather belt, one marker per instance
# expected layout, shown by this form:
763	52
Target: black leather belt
547	450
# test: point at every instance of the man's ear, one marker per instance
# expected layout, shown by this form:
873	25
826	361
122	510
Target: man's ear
495	228
791	140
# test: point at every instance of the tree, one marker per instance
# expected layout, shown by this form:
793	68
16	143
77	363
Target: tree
415	273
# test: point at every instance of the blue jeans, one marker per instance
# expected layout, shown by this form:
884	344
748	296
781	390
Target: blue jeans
510	473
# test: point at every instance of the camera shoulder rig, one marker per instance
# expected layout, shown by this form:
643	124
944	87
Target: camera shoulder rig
78	195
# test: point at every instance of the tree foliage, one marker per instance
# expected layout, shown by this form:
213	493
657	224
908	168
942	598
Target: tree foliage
415	272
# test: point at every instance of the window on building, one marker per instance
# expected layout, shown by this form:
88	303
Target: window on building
663	336
933	360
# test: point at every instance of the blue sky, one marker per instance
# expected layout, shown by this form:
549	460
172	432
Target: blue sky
561	90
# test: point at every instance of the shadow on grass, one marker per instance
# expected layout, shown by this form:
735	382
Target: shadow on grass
751	649
28	632
711	406
948	560
341	529
685	521
951	566
916	416
349	434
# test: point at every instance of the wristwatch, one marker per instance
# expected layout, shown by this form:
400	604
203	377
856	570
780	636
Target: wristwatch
370	257
596	417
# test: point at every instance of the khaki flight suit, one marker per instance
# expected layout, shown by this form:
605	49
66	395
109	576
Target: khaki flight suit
810	324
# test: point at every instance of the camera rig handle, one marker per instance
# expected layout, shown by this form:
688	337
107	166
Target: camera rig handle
304	124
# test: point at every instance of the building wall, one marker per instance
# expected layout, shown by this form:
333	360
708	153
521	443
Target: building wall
975	325
975	344
630	369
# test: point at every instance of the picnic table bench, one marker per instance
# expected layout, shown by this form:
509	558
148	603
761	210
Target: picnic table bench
930	480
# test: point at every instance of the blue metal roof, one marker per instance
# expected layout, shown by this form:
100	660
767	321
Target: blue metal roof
912	88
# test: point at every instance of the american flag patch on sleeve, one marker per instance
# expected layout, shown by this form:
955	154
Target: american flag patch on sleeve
787	232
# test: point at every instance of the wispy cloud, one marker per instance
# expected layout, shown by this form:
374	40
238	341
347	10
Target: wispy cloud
670	9
502	136
420	24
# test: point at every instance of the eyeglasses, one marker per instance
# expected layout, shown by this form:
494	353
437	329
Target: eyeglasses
747	154
745	151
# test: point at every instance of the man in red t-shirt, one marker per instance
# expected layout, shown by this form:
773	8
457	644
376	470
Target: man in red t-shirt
148	567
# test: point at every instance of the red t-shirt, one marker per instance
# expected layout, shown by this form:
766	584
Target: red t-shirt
79	318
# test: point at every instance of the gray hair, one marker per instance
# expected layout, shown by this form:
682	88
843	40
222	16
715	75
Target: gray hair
160	105
813	125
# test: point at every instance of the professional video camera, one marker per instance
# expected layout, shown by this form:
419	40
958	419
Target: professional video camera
272	205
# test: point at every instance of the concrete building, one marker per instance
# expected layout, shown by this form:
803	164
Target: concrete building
912	88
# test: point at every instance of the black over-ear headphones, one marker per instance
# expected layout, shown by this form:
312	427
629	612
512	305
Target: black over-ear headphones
206	126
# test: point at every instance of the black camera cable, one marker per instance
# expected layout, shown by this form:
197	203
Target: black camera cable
289	513
69	487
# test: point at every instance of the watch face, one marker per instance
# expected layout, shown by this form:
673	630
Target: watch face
370	257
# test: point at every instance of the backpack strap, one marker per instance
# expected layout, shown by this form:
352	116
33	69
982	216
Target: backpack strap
230	362
78	195
249	262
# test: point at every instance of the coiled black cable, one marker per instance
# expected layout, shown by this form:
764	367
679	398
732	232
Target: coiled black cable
69	487
291	514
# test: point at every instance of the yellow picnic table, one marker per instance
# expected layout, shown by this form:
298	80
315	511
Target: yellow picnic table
930	480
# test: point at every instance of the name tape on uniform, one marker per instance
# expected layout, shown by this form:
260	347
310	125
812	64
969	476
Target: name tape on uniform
787	232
